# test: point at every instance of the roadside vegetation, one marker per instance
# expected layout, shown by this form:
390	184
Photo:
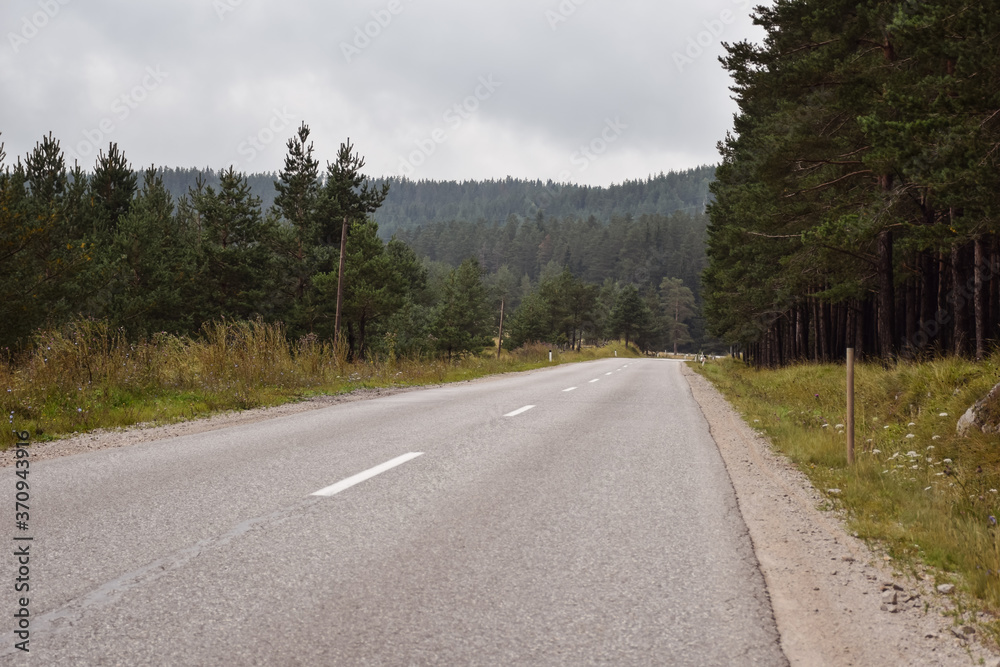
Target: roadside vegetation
89	375
925	495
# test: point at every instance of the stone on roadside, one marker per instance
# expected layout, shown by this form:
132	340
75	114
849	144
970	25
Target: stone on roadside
946	589
984	415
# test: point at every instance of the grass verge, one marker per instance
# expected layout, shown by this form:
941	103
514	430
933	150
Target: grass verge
925	495
89	376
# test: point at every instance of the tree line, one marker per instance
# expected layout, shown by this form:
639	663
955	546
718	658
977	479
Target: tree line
856	202
116	245
410	204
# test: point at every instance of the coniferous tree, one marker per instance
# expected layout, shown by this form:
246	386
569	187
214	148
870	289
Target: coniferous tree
464	322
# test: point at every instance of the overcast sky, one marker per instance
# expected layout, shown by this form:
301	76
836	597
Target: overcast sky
583	91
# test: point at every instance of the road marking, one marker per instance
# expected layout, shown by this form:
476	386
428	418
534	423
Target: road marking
607	373
570	389
368	474
519	411
597	380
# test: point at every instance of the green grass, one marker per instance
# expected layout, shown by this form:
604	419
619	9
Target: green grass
917	489
89	376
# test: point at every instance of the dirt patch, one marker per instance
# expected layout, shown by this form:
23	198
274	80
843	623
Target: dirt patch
835	601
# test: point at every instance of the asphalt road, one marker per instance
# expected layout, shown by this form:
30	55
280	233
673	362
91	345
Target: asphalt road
597	527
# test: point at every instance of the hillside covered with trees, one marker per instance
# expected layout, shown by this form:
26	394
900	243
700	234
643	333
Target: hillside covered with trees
858	197
123	247
412	204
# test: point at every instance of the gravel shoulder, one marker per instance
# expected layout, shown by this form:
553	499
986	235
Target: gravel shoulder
836	602
105	439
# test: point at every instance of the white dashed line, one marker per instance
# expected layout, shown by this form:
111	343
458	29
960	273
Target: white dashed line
519	411
596	380
570	389
368	474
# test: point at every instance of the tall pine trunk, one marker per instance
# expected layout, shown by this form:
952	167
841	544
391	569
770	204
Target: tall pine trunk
886	297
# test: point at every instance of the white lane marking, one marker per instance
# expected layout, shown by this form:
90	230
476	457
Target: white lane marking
368	474
607	373
519	411
597	380
570	389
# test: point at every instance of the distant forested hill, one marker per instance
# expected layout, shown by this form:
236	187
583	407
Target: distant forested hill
412	203
415	203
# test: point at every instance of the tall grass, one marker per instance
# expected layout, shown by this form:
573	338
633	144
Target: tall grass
925	494
89	375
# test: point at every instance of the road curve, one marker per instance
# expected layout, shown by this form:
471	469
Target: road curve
576	515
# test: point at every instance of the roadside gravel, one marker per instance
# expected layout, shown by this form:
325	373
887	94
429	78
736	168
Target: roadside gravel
123	437
836	602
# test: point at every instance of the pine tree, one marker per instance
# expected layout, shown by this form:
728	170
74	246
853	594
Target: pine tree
464	322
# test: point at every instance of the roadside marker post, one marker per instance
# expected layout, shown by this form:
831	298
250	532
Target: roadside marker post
850	406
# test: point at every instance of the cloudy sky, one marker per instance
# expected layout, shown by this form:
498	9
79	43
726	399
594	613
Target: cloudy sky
584	91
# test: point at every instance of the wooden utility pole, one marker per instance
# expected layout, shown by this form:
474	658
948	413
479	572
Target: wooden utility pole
850	406
500	336
340	279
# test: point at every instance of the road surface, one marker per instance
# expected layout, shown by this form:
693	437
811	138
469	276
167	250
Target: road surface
576	515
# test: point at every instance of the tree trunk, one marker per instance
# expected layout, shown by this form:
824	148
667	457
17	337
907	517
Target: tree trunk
979	298
961	336
886	297
928	301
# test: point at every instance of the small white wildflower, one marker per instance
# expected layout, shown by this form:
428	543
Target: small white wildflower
886	426
912	454
943	414
927	489
910	435
826	426
839	426
947	461
911	424
993	490
914	467
935	437
885	472
940	474
876	451
930	447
